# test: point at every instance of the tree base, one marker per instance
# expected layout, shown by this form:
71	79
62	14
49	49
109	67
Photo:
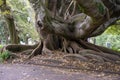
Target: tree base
77	56
77	49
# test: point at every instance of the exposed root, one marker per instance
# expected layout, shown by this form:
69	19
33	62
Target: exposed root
69	50
91	46
47	51
105	56
26	52
90	51
71	47
37	50
87	46
19	48
79	50
74	57
93	57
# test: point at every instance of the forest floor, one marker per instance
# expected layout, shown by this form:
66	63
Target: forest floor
58	66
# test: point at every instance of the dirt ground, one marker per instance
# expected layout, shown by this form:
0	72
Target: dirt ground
58	66
33	72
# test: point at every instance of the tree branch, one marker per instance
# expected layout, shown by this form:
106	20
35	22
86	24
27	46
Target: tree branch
80	28
104	26
92	9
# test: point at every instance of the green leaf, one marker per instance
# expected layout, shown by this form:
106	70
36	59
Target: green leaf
1	2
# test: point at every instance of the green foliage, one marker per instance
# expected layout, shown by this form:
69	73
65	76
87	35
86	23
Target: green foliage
111	35
80	8
22	11
100	6
5	12
3	31
4	56
118	50
114	29
114	40
1	46
1	2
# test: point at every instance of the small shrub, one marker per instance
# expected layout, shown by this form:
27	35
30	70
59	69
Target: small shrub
119	50
4	56
1	46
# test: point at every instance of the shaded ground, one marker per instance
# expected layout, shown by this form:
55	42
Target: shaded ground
70	61
32	72
58	66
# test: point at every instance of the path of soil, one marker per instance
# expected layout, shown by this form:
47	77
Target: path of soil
33	72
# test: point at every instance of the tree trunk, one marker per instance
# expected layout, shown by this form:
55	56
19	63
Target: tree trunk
62	27
72	29
12	31
10	21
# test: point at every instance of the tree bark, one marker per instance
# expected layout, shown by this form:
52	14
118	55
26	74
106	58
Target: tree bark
68	32
69	29
10	21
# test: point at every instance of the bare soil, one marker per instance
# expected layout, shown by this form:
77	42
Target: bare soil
33	72
58	66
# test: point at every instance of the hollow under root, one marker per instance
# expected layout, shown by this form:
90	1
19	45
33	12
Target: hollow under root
71	47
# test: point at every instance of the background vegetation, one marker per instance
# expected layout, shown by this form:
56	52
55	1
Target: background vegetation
24	21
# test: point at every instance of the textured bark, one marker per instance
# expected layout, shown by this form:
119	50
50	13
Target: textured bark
19	48
76	27
12	30
62	27
104	26
10	21
68	28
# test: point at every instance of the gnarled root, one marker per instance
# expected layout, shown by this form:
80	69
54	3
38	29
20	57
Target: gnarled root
82	50
37	50
90	51
71	47
101	49
19	48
